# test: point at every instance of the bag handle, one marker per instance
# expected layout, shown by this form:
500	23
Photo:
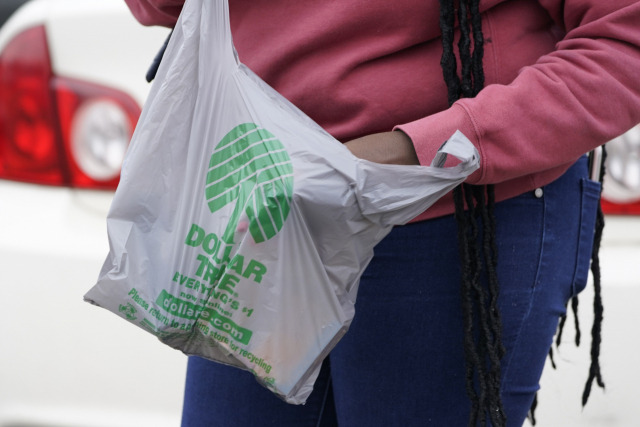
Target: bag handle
192	33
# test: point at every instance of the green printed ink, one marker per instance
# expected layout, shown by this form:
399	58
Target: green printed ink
252	168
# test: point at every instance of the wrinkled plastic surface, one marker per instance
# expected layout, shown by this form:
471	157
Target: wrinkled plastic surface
240	228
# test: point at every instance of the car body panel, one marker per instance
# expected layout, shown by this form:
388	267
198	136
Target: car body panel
113	49
64	362
62	357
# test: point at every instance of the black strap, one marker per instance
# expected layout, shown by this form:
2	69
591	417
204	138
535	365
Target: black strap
153	69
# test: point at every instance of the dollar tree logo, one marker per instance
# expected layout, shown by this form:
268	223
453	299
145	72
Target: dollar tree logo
251	168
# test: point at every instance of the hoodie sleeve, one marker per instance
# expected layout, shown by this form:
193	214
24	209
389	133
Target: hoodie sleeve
573	99
156	12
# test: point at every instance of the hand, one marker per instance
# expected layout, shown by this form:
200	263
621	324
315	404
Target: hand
394	148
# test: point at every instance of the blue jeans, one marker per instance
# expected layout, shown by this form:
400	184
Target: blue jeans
402	361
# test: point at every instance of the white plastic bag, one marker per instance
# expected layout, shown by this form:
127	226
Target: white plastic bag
240	228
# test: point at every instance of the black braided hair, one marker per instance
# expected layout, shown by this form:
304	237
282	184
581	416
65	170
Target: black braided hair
475	205
598	309
474	212
489	341
484	349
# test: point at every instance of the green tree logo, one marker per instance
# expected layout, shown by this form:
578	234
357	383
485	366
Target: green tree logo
252	168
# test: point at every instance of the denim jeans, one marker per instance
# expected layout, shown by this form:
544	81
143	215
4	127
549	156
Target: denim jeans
402	361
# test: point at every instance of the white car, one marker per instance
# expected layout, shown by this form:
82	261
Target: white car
71	90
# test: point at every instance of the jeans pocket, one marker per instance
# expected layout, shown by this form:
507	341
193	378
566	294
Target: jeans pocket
589	200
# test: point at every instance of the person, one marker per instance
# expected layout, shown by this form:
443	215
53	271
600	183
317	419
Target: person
457	311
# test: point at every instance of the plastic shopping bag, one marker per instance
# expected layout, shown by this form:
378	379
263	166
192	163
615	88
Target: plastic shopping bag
240	228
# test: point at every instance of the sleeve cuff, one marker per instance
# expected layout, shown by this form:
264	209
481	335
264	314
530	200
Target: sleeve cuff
429	133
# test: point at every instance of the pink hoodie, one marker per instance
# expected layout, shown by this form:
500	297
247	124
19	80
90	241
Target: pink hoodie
561	76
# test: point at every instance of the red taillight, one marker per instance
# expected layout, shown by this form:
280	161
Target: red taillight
55	130
28	147
611	208
96	124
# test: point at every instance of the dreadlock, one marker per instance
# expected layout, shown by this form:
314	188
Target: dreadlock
596	329
598	309
474	208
